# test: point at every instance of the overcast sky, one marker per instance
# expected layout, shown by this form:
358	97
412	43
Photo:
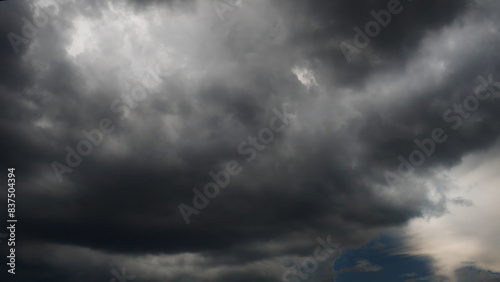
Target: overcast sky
251	140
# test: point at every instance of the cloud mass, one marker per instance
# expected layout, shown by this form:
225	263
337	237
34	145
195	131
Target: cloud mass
217	140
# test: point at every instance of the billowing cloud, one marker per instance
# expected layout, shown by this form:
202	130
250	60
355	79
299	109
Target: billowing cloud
215	141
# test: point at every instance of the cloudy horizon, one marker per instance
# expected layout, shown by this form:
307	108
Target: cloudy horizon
243	140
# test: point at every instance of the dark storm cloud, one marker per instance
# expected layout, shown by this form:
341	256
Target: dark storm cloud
12	70
322	25
322	175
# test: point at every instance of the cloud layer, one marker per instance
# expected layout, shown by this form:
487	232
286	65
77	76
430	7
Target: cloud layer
183	89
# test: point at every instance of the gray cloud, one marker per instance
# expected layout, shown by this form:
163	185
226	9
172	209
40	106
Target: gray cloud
362	266
220	81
